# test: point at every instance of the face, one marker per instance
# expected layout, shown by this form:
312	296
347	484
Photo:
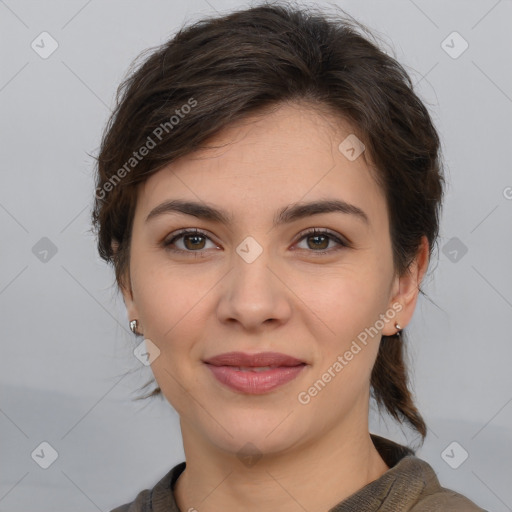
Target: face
259	281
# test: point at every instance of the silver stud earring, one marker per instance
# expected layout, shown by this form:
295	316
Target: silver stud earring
398	328
133	326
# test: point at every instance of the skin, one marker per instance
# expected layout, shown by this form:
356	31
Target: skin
288	300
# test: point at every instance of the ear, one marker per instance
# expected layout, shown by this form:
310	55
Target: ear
125	287
128	299
406	289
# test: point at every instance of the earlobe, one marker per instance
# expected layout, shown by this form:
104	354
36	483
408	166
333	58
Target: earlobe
408	288
128	299
125	287
131	311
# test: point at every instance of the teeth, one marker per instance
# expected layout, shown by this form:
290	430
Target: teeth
252	368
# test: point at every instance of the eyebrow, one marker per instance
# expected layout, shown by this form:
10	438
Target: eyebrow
286	215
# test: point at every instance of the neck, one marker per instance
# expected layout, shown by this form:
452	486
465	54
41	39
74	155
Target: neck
315	477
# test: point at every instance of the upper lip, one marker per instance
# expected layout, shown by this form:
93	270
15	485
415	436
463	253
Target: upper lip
254	360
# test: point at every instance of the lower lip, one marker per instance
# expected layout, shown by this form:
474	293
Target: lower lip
255	383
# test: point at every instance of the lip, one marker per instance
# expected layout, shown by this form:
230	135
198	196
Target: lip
226	369
252	360
252	382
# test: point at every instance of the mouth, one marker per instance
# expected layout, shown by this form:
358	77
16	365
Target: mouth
254	374
259	368
262	361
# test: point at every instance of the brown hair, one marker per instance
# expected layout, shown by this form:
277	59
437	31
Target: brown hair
220	70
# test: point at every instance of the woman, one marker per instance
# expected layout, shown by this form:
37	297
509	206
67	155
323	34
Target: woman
268	191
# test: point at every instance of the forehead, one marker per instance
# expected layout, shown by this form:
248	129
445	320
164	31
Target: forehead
265	162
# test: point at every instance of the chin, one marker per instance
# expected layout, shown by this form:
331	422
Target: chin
269	435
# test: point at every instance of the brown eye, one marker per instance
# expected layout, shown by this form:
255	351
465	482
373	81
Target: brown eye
318	241
193	241
187	241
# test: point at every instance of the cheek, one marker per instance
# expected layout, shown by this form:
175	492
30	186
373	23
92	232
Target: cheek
164	292
174	315
175	309
173	312
349	306
344	301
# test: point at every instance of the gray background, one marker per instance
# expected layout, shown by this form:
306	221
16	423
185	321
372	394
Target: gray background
66	345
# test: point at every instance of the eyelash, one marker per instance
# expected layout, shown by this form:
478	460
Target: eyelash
314	231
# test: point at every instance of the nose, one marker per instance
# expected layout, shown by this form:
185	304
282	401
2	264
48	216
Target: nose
255	294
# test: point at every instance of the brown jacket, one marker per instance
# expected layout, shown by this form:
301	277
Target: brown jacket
410	485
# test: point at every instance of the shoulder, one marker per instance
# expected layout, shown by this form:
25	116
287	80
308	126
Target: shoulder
415	485
159	498
139	504
445	500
